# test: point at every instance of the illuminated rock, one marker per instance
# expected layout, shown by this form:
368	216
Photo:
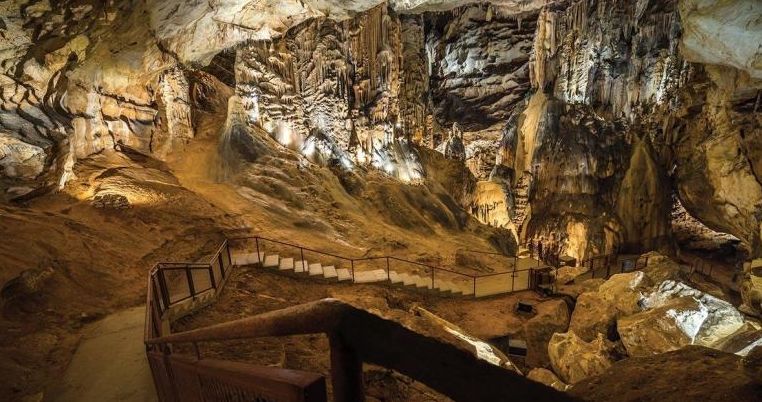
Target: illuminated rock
573	359
679	316
625	291
19	159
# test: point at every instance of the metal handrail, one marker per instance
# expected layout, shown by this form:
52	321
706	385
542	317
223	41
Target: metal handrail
357	259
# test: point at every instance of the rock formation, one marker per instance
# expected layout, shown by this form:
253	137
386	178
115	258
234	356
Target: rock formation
587	114
574	359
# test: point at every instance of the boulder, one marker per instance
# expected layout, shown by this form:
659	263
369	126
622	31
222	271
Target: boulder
625	291
661	268
720	320
20	160
663	329
567	274
574	359
678	316
575	289
594	315
552	316
742	341
547	377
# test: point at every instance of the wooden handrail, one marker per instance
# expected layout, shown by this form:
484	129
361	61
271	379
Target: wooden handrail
357	335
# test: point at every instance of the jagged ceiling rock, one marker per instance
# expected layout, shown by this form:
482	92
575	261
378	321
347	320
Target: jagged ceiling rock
197	30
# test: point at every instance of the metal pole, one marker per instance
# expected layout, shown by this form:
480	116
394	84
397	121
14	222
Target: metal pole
474	287
388	271
304	269
352	262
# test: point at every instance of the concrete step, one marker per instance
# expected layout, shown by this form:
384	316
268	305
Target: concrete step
271	261
377	275
242	259
286	264
301	266
315	269
394	277
343	274
422	282
445	286
329	272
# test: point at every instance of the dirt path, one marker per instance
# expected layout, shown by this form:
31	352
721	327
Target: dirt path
110	363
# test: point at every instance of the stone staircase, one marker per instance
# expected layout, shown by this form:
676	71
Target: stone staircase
445	287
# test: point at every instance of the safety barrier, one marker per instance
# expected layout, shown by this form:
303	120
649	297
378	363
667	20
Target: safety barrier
477	285
179	288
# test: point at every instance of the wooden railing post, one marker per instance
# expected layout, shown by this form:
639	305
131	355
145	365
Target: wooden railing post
211	277
189	276
388	271
164	289
352	265
346	372
230	257
221	261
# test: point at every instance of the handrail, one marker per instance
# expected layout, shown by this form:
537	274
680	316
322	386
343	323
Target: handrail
357	259
293	245
357	335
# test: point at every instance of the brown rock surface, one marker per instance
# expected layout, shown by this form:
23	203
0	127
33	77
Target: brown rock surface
552	317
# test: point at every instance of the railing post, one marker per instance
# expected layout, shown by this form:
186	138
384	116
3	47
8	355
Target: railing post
352	265
474	287
304	269
230	258
346	371
259	256
388	271
608	267
513	281
211	277
432	278
222	267
189	276
163	287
